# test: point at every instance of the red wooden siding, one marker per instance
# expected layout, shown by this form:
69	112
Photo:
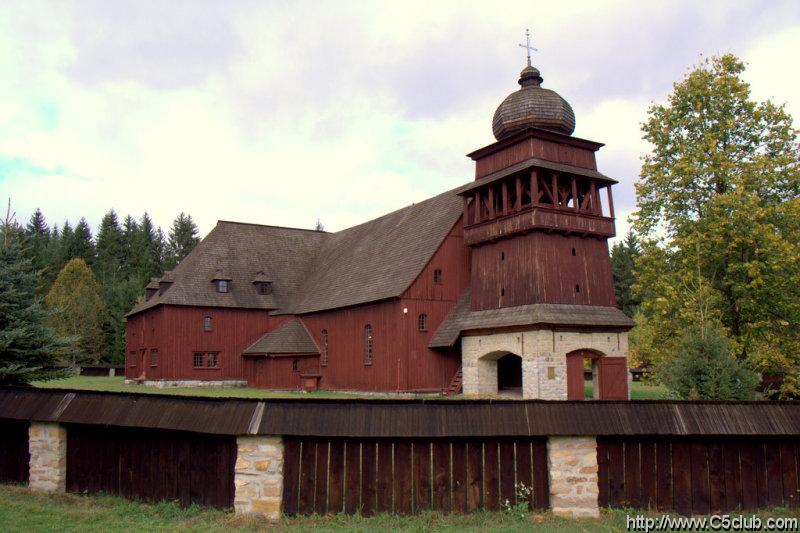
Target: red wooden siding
698	476
540	268
177	332
539	148
408	476
278	372
14	457
152	465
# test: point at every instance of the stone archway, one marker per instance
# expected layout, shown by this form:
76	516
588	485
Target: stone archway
500	372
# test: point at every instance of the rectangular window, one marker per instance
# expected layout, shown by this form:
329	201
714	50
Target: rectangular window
198	360
206	323
324	356
212	359
154	357
222	285
132	358
368	340
437	276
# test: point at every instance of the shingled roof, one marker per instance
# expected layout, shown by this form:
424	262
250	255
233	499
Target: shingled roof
289	338
313	270
461	318
241	251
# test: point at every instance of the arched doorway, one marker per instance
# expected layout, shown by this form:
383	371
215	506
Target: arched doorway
509	374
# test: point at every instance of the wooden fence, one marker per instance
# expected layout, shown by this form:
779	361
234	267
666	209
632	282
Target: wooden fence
151	464
698	476
13	451
408	476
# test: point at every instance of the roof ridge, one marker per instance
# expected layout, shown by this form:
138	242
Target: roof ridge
272	226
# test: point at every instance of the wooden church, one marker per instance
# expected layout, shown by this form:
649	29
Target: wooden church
501	286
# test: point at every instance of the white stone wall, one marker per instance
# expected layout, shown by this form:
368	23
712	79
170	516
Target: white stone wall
169	383
572	466
258	478
47	445
543	353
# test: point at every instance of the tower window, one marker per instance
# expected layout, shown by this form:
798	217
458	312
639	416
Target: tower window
502	291
577	288
264	287
368	340
324	356
437	276
206	323
573	251
222	285
502	256
422	322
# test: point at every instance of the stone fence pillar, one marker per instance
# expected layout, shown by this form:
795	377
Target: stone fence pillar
572	466
47	445
258	478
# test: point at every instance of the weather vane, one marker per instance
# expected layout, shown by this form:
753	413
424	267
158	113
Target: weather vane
528	45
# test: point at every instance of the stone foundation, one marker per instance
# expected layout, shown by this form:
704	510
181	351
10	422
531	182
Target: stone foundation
544	359
572	466
169	383
47	445
259	476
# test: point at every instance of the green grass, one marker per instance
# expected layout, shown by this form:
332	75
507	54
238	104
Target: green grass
639	390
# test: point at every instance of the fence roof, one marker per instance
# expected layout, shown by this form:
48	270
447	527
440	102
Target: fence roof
401	418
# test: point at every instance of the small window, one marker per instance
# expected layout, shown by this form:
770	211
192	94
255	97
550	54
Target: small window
222	285
573	251
132	358
502	256
368	341
437	276
212	359
206	323
577	288
154	357
324	355
502	291
198	360
264	287
295	365
422	322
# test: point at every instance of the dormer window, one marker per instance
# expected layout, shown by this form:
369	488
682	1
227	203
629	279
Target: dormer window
222	285
264	287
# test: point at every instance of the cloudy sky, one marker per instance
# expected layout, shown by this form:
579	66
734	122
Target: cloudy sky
283	112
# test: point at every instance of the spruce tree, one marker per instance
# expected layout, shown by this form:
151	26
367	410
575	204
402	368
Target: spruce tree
182	239
38	244
110	253
82	245
28	345
623	257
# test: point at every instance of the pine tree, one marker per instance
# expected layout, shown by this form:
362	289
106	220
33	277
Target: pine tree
82	245
28	345
110	253
623	256
182	239
151	250
78	309
38	244
130	247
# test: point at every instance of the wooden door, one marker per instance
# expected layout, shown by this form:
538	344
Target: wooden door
575	384
613	378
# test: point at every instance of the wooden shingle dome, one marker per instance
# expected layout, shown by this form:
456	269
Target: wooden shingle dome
532	106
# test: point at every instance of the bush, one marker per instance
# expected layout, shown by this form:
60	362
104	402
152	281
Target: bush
705	368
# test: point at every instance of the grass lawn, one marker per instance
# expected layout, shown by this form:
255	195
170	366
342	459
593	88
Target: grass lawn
639	390
23	511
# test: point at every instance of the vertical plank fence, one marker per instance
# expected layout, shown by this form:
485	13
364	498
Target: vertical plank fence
152	464
14	455
698	476
408	476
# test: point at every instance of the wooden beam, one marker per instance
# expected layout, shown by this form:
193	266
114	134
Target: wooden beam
466	211
491	202
476	202
534	187
504	189
575	205
518	203
593	196
555	190
610	203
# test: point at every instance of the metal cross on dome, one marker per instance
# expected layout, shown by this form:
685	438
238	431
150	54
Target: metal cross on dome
528	45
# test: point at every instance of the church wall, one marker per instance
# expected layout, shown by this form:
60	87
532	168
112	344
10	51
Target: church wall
540	268
177	332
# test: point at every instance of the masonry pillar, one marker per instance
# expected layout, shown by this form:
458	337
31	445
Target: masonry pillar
258	476
47	445
572	467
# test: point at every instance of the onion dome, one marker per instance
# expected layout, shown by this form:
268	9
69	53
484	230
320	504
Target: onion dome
532	107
